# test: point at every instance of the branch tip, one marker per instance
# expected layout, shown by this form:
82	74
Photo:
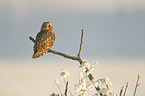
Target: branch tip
80	49
66	88
125	89
137	84
121	91
32	39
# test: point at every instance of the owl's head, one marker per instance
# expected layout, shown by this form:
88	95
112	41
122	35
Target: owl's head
46	26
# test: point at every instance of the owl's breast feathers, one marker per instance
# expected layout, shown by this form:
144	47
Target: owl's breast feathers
44	41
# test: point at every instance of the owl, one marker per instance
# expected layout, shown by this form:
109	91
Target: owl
44	40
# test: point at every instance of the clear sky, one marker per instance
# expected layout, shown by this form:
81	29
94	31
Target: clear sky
112	28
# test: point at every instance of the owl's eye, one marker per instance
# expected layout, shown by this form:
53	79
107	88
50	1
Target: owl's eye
49	26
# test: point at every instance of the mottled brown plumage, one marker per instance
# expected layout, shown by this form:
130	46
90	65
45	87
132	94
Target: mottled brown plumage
44	40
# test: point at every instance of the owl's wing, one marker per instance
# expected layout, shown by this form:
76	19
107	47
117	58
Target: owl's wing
44	41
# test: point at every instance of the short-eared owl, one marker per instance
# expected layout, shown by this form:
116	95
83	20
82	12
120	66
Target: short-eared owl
44	40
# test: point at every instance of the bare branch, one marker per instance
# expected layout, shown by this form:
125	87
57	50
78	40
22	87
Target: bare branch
66	88
66	83
125	89
81	43
32	39
66	56
137	84
90	76
59	89
121	91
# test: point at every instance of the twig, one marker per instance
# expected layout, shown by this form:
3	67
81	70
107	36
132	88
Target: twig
125	89
32	39
59	89
91	78
121	91
81	43
66	88
66	56
137	84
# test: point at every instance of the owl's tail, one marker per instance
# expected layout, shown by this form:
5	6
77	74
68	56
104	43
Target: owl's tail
38	54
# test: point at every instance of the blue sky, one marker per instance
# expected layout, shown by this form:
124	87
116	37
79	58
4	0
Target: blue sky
112	28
